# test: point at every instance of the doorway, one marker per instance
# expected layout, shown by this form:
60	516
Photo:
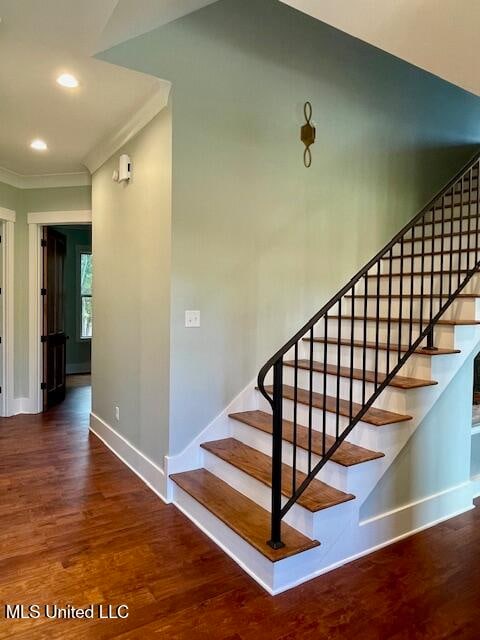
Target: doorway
7	220
61	325
67	310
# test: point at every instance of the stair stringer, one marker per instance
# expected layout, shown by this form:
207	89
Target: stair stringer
353	538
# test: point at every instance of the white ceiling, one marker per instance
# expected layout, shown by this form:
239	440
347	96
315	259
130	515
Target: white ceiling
39	39
131	18
440	36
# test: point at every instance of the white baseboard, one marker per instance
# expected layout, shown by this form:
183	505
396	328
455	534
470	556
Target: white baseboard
362	539
386	529
475	486
219	427
17	406
149	472
78	367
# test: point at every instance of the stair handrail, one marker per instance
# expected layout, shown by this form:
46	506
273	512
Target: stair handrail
276	361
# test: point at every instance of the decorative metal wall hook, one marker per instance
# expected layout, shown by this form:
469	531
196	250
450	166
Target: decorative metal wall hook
307	134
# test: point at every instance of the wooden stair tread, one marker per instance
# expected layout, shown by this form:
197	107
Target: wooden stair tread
438	207
384	347
416	296
242	515
402	382
317	495
416	273
376	417
468	216
445	252
347	454
414	320
439	237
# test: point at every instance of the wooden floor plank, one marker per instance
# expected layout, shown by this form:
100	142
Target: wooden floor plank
132	548
317	496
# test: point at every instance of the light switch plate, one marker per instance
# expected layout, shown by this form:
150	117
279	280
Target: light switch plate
192	319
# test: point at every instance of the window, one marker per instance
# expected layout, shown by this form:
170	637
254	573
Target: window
85	295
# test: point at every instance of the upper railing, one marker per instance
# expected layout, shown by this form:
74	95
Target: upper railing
418	273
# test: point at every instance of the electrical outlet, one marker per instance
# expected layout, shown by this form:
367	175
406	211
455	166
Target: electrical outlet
192	319
117	414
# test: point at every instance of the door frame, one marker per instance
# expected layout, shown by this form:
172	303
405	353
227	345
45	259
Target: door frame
7	225
36	222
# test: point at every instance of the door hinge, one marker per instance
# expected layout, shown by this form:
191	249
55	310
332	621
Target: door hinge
43	386
43	338
43	242
43	291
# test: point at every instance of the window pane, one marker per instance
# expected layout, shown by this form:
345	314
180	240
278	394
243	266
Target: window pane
86	274
86	317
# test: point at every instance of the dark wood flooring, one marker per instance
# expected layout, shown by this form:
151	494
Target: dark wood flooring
76	526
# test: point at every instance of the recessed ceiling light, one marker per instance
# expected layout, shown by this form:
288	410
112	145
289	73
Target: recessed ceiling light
67	80
39	145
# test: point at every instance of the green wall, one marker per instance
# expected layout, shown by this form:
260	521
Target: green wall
131	285
24	201
260	242
436	457
79	352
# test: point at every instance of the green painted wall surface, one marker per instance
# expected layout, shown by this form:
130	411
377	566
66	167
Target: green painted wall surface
25	201
79	352
260	242
131	285
437	456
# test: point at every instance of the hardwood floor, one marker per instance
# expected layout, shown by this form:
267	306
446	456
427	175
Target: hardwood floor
76	526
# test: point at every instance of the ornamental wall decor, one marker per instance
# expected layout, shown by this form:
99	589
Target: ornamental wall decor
307	134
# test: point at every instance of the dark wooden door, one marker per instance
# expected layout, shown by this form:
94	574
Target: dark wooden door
54	337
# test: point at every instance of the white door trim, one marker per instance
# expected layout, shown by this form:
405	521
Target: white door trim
35	223
7	220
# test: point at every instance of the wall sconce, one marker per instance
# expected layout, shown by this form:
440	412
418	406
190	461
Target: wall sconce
307	134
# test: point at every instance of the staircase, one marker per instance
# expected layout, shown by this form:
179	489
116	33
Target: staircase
279	481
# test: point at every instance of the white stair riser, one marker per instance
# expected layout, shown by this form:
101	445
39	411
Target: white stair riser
353	479
298	517
460	309
408	284
444	334
449	224
363	434
391	398
259	566
447	262
435	244
416	366
332	473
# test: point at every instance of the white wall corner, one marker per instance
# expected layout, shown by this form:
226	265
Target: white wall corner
220	427
475	486
147	470
116	140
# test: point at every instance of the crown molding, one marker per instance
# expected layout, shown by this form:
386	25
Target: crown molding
112	143
20	181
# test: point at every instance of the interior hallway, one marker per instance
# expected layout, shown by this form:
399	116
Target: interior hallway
78	527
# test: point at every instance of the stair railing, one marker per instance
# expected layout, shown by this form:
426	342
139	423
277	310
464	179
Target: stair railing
342	335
